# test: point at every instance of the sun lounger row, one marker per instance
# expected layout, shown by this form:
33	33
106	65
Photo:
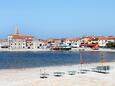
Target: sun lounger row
60	74
98	69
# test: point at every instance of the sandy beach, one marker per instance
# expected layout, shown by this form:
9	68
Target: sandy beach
31	76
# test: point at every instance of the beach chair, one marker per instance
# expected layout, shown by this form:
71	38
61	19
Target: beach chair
58	74
71	72
102	69
44	75
82	71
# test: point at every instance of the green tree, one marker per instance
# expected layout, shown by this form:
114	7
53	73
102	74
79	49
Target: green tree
111	45
94	39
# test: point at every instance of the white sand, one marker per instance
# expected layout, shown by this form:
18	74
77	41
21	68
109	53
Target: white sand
31	77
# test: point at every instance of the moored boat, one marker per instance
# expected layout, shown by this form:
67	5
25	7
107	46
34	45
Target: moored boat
61	48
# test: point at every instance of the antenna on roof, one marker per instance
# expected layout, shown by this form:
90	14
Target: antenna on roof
17	30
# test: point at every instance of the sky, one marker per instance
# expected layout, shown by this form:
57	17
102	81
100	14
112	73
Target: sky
57	18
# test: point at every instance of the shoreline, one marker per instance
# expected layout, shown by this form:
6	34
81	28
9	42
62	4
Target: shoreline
66	65
89	65
24	50
73	49
89	49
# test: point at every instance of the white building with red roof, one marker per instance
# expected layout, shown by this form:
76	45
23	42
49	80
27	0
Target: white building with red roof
73	42
4	43
102	41
54	42
20	41
111	38
39	43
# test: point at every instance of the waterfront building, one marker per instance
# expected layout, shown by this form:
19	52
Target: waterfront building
23	41
87	39
20	41
111	38
94	40
39	43
102	41
54	42
4	43
73	42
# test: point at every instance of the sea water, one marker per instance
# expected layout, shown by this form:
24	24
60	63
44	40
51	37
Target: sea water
10	60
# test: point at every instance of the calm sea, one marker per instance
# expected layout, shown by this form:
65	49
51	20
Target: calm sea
9	60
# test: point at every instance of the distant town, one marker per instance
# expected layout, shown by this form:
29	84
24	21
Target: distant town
18	40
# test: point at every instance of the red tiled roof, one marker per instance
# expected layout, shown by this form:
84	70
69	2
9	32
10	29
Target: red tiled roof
99	37
73	39
56	39
111	37
103	38
21	36
88	36
3	40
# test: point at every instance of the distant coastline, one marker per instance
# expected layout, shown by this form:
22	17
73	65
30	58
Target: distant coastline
89	49
73	49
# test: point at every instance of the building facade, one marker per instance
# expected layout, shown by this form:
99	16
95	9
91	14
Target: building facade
73	42
4	43
20	41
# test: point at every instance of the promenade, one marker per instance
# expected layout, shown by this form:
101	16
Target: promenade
73	49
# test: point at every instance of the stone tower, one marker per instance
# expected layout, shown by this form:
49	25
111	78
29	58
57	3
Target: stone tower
17	30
